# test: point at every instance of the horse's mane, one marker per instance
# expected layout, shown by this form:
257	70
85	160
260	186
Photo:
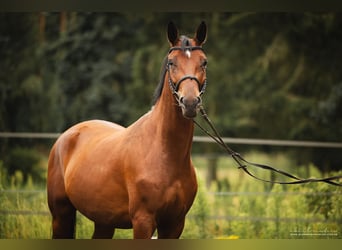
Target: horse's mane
185	42
159	89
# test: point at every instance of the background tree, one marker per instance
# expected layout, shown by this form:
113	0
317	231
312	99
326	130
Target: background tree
271	75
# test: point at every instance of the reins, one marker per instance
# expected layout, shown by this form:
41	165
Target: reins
243	164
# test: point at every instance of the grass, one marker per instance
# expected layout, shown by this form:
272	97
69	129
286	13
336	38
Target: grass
241	207
234	206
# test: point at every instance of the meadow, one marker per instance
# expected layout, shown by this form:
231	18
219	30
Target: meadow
232	207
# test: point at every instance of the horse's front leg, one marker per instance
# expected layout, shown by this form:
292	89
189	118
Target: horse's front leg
103	231
171	230
144	225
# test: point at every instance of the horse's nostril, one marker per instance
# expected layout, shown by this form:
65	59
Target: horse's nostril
190	102
199	100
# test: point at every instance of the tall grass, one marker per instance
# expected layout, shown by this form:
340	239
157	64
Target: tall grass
247	208
234	206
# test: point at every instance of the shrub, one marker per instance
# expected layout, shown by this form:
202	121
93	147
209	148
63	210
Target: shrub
26	161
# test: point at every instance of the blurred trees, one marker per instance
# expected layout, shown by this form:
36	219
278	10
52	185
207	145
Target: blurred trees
271	75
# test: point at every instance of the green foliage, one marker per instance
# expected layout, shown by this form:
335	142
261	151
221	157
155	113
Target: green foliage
3	176
197	226
268	212
271	75
24	162
27	161
26	97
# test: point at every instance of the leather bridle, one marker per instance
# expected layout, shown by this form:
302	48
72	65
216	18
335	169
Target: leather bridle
174	86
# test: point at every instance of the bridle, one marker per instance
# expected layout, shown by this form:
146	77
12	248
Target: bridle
174	86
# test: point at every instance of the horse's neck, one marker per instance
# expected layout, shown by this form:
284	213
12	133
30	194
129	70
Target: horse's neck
172	129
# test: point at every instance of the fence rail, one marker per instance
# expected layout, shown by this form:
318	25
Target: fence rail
271	142
29	135
206	139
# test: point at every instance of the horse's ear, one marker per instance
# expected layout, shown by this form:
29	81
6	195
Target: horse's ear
172	33
201	34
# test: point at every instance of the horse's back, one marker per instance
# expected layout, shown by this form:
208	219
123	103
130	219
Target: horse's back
88	132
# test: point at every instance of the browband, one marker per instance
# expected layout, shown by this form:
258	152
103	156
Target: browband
191	48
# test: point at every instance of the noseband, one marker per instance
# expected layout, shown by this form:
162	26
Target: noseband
174	86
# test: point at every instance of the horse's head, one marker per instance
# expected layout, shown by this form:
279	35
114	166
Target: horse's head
186	68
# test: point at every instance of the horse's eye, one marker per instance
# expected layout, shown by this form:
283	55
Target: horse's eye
204	64
170	63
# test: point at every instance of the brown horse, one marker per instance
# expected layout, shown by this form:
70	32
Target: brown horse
138	177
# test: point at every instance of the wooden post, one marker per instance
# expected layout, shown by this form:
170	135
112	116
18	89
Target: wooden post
63	23
211	170
42	24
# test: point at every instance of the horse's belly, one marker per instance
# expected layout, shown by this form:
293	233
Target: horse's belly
107	209
98	195
114	217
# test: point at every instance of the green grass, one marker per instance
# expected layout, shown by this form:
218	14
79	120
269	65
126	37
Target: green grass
234	206
261	210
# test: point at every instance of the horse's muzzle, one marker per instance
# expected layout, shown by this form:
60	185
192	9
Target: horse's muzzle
190	106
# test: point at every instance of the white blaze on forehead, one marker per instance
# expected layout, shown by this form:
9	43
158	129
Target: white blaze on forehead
188	53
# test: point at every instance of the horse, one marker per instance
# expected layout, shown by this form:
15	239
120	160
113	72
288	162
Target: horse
140	176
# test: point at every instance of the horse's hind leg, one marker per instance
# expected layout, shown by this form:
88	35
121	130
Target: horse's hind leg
62	211
63	220
103	231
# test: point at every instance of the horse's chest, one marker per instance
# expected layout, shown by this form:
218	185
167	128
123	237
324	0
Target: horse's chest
178	200
174	195
167	199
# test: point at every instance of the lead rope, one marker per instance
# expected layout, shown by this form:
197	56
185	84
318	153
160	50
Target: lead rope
243	164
